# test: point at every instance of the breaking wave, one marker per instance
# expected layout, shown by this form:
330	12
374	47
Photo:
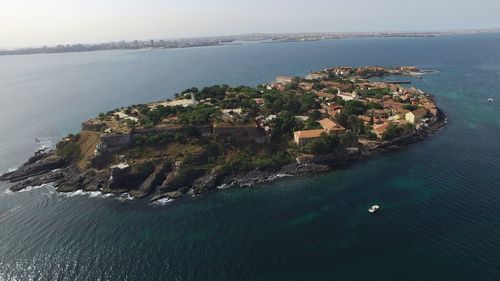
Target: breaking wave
162	202
31	188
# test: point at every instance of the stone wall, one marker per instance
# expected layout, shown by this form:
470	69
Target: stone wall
93	126
113	142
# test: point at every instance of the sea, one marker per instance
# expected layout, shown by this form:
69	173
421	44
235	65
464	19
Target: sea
440	198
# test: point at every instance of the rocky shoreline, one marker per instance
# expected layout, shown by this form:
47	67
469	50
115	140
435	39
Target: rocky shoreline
46	167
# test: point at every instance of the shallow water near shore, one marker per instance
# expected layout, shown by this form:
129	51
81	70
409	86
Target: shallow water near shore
440	198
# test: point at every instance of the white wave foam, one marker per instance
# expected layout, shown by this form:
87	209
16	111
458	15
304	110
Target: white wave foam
45	143
224	186
10	170
91	194
31	188
7	192
162	202
125	197
75	193
95	194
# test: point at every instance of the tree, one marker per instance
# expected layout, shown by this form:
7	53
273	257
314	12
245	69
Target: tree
395	131
314	115
285	124
200	114
318	86
373	105
312	124
324	145
409	107
354	107
308	102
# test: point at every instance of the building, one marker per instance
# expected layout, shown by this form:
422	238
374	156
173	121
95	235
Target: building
316	76
429	106
306	136
393	105
416	115
306	86
259	101
348	96
276	86
400	114
331	127
379	129
301	118
332	109
284	79
325	95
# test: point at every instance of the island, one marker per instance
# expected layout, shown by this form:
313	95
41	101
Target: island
224	136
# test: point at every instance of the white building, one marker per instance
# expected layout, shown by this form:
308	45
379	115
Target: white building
348	96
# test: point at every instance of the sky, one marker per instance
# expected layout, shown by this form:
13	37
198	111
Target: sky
49	22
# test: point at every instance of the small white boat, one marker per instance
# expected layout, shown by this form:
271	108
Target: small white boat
373	208
491	100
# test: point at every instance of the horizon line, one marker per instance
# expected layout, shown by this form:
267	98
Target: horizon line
221	36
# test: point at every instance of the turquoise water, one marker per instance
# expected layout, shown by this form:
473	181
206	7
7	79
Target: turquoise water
440	198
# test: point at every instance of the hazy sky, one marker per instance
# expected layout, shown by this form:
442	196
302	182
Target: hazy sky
39	22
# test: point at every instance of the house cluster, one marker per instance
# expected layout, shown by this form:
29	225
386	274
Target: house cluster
398	105
385	104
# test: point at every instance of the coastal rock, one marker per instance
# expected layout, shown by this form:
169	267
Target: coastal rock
296	169
38	155
171	195
95	181
255	177
334	159
180	177
153	180
118	178
353	152
73	180
171	182
43	164
38	180
205	183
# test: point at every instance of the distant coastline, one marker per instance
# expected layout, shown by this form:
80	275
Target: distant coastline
229	40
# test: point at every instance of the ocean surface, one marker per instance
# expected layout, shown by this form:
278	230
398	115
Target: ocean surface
440	198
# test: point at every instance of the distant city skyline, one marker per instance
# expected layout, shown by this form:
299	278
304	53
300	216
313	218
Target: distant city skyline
36	23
